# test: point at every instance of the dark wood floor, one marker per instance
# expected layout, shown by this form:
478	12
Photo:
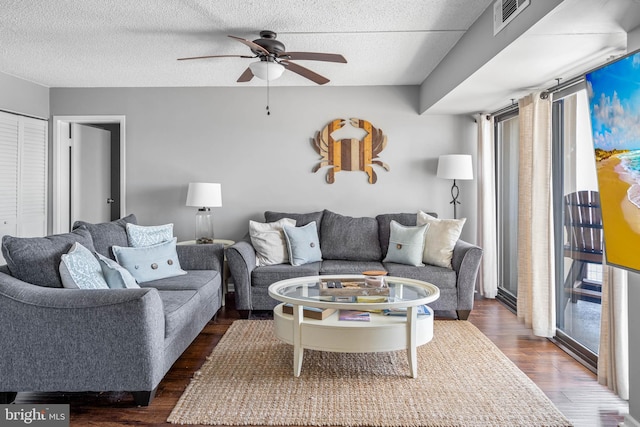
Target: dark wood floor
572	387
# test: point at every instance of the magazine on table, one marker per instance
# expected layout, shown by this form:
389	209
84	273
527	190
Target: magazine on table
355	315
422	310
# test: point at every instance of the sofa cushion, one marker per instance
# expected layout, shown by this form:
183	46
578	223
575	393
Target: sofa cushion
140	235
179	308
36	260
406	244
441	238
79	269
269	242
108	234
300	218
384	226
443	278
194	280
347	238
150	262
116	276
303	244
267	275
333	266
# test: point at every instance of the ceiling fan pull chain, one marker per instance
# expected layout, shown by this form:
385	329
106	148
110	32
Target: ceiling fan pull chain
268	112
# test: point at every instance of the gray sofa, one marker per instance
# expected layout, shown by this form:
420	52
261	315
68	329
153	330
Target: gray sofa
66	340
351	246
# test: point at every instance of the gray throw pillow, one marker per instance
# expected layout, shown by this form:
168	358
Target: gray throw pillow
347	238
36	260
108	234
301	219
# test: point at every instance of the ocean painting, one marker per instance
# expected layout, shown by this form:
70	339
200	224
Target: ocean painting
614	103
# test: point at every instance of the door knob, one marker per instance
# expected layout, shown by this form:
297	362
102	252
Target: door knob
110	200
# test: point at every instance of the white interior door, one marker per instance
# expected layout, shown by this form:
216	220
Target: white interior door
90	174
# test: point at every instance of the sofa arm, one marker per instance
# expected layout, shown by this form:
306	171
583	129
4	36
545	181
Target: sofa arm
79	340
241	258
465	262
201	257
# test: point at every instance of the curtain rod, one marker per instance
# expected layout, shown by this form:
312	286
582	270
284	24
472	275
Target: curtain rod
544	94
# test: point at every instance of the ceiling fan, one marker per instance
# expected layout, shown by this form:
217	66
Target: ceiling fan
274	59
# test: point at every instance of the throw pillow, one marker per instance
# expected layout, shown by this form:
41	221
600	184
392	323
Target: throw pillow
140	235
79	269
303	244
440	239
347	238
108	234
269	242
150	262
406	244
300	218
36	260
116	276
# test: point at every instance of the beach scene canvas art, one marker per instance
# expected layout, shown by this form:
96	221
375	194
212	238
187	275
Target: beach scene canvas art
614	103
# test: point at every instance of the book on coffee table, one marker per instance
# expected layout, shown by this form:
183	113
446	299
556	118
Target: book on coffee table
310	312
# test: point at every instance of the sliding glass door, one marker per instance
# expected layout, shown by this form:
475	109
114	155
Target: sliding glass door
578	228
507	136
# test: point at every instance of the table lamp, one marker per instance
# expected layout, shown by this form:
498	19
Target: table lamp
204	195
455	166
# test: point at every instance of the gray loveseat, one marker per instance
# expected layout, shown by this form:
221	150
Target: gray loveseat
351	246
67	340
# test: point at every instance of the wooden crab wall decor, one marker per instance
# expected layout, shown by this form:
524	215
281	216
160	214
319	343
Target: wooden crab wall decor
350	154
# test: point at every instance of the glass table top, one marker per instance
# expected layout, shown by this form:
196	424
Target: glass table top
330	291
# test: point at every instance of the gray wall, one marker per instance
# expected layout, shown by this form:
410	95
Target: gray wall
21	96
179	135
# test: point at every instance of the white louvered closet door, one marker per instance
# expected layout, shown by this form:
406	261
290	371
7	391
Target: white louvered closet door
32	193
23	176
8	174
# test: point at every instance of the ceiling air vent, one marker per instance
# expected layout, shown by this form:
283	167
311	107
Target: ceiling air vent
504	11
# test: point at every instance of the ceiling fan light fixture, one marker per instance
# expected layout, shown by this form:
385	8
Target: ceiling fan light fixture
266	70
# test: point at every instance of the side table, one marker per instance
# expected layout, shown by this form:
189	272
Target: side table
225	268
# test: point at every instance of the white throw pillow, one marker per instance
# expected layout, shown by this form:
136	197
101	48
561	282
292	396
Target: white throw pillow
269	242
440	239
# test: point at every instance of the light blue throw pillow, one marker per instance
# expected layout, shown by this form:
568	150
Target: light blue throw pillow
303	244
150	262
79	269
140	236
406	244
116	276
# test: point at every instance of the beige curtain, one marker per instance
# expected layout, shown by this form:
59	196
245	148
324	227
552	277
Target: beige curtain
613	355
488	274
536	282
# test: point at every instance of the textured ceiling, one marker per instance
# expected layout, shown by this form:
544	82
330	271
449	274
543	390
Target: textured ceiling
120	43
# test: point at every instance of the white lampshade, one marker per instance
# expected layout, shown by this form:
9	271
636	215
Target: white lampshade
204	194
266	70
455	166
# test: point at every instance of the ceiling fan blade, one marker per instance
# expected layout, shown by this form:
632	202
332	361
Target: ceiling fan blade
216	56
305	72
314	56
251	44
246	76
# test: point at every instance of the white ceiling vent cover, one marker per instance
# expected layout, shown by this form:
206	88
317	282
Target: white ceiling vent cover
504	11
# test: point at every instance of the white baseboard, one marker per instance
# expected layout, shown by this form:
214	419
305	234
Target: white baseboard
629	421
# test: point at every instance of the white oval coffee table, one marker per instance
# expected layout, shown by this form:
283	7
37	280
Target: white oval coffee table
380	333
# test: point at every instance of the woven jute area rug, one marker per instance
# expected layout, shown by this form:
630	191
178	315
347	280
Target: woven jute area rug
464	380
